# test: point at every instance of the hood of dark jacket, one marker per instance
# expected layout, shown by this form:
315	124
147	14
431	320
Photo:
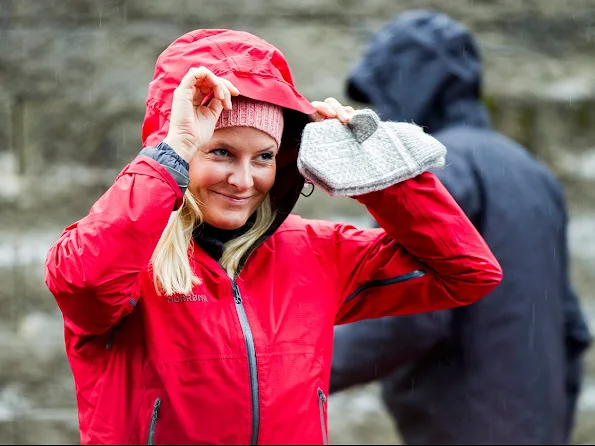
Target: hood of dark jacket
422	67
259	70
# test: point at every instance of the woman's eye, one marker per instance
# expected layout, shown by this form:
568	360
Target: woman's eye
220	152
268	156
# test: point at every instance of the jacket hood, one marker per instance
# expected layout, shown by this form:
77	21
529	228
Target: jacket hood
258	69
422	67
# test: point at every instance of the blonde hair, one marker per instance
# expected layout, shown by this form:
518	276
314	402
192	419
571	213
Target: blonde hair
170	262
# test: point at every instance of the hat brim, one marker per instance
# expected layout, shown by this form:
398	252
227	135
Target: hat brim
271	90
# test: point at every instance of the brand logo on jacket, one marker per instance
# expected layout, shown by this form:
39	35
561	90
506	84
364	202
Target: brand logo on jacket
191	298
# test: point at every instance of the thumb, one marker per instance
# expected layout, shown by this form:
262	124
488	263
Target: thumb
316	117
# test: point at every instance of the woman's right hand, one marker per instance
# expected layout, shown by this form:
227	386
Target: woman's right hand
191	124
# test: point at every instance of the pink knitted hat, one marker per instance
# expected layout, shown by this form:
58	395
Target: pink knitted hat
248	112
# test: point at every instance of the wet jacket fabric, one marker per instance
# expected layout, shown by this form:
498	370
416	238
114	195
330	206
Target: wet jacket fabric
245	360
505	370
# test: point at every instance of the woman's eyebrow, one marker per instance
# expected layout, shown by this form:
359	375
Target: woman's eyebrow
226	145
216	144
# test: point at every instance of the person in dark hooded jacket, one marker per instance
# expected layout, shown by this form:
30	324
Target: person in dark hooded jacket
507	369
197	309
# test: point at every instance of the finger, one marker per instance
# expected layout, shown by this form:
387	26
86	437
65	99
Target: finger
223	87
324	109
207	82
224	94
350	111
231	87
227	103
196	76
338	108
220	92
195	83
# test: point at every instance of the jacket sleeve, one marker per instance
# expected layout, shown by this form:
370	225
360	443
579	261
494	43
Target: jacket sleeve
372	342
368	350
94	268
426	256
576	330
577	336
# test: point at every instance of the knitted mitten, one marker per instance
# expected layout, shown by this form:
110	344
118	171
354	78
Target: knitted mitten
365	155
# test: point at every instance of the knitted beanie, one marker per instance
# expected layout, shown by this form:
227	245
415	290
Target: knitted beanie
260	115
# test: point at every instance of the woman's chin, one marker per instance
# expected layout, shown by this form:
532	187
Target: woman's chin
227	220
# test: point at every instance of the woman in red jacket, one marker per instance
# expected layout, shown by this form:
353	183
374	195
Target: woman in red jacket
196	308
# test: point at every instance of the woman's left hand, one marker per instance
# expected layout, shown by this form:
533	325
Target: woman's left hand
331	108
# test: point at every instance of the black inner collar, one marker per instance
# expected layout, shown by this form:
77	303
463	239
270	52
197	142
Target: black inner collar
212	239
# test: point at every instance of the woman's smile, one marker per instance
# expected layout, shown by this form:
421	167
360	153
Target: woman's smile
233	199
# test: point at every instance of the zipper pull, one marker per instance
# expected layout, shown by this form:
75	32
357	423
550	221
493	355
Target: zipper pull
321	395
236	294
156	407
110	342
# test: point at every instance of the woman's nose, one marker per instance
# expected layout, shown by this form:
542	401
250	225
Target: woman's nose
241	177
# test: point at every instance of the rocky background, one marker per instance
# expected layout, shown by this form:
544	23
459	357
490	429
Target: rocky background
73	79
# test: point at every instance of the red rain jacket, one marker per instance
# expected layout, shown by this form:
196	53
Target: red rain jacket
244	361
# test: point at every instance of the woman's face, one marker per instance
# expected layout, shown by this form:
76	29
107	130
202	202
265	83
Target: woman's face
232	174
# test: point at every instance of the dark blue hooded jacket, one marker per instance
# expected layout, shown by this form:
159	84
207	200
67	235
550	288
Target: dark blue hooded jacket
505	370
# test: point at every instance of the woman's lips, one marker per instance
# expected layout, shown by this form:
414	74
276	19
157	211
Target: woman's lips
233	198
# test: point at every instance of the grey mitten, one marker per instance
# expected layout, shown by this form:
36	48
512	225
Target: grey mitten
365	155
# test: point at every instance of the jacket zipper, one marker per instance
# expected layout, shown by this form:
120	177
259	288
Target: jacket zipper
153	425
385	282
110	341
247	332
321	401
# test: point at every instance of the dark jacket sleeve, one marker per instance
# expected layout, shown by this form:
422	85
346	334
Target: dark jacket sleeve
577	336
368	350
576	331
